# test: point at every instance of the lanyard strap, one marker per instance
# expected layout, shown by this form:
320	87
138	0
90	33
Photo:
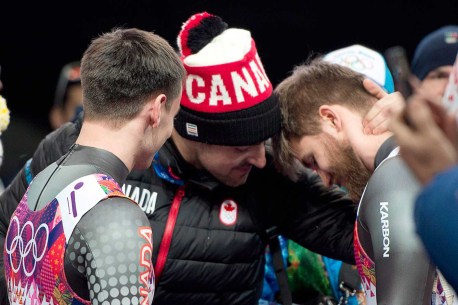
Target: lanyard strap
167	238
279	266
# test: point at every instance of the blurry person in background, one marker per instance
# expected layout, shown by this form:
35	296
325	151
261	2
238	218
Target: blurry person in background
433	59
4	122
66	106
68	100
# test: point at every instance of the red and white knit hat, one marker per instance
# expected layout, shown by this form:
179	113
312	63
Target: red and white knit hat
227	98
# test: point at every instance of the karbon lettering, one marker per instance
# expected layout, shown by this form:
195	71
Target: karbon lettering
384	219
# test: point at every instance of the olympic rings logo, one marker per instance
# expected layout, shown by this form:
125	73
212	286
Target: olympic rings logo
356	62
17	245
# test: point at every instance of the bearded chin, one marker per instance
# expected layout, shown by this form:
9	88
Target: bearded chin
347	167
353	172
356	185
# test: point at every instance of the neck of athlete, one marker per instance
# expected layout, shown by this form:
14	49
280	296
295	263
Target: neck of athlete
123	142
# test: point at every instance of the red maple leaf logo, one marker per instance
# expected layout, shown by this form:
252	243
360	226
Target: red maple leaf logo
228	207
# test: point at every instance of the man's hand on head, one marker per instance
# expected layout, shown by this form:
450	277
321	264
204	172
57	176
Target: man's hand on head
377	120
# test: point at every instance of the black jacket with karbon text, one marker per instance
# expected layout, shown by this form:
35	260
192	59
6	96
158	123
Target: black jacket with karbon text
216	253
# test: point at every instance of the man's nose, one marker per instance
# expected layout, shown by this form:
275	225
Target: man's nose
257	155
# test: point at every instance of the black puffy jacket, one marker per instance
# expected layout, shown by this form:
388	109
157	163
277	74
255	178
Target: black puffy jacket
213	260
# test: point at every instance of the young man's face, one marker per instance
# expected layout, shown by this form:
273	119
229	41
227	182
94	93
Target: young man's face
436	81
231	165
335	162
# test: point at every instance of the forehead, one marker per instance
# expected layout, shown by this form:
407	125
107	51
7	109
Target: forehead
442	69
224	150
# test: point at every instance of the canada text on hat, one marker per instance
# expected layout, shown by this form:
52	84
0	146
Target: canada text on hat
226	75
365	61
227	98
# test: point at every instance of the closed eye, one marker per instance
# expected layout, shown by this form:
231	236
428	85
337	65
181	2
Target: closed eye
438	75
310	163
241	148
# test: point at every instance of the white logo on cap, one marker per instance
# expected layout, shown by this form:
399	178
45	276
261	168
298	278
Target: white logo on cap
191	129
360	59
228	212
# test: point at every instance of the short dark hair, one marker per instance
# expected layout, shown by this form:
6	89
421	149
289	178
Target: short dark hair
122	69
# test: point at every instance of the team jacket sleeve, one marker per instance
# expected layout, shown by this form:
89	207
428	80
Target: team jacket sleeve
404	274
116	261
436	219
320	219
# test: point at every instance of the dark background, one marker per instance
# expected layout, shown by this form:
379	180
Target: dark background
38	38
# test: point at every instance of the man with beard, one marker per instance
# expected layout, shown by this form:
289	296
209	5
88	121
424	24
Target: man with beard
323	106
212	191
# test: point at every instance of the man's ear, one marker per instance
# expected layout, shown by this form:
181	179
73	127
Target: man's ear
330	117
156	106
